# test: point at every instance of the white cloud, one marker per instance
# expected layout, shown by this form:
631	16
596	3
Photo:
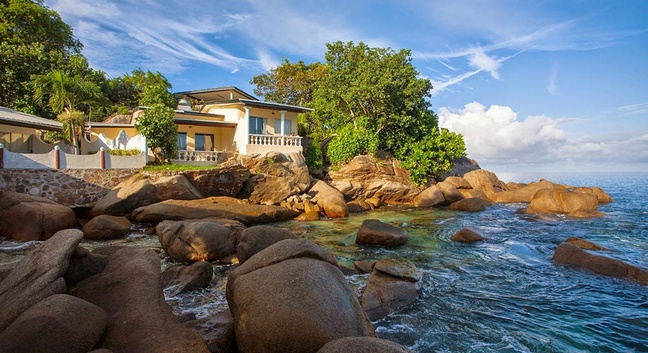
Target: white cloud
479	60
496	136
634	109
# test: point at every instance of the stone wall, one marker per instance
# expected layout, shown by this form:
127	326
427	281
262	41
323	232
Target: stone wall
70	187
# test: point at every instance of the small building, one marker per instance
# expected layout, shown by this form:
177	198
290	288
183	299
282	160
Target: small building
222	119
22	132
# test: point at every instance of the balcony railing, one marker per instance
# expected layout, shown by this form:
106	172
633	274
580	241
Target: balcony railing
197	156
275	140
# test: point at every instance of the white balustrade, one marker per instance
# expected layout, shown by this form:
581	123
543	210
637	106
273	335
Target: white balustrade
197	156
275	140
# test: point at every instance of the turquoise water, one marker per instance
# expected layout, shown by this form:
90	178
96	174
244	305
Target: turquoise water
500	295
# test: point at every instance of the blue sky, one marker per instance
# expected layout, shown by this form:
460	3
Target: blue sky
533	85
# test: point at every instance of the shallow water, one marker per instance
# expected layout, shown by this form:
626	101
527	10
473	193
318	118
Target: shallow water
500	295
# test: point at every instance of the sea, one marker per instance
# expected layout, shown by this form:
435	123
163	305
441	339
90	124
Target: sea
503	294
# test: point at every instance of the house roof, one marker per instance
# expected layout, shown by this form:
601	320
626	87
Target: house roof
216	94
16	118
260	104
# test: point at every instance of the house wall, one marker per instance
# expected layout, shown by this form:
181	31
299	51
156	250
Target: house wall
112	132
16	138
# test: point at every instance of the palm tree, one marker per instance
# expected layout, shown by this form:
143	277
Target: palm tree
65	94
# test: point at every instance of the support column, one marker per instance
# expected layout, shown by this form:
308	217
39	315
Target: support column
57	157
1	156
283	119
102	158
245	132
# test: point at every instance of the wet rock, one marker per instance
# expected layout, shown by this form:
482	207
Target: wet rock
218	207
466	235
523	193
106	227
84	267
458	182
584	244
573	204
138	191
59	323
363	345
357	206
217	331
391	286
25	217
330	200
364	266
601	195
195	240
308	216
181	279
292	297
257	238
375	232
37	276
129	289
568	254
474	204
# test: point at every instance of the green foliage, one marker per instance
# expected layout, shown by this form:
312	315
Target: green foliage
351	141
157	125
289	83
432	155
313	154
128	152
72	121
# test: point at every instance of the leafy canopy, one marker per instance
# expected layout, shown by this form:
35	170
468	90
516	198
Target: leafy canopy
365	99
161	133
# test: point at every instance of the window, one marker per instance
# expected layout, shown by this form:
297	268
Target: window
182	141
287	124
204	142
257	125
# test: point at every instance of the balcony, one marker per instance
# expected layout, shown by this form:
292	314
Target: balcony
197	157
264	143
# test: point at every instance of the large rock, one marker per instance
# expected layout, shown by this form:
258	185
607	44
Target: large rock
104	227
138	191
129	289
217	331
37	276
330	200
466	235
194	240
569	254
430	197
458	182
82	267
257	238
181	279
574	204
392	285
450	192
485	181
375	232
461	166
212	207
25	217
601	195
523	193
292	297
276	177
224	180
60	323
367	176
584	244
363	345
473	204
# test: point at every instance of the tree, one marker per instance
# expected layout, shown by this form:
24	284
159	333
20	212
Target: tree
289	83
33	40
65	93
161	132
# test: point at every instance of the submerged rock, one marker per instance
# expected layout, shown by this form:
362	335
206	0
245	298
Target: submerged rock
392	285
375	232
257	238
363	345
569	254
466	235
292	297
473	204
181	279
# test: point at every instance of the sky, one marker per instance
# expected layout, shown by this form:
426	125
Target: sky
533	86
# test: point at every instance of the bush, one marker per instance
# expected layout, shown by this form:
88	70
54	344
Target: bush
350	142
128	152
432	156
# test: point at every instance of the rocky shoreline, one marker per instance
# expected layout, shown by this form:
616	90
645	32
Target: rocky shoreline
285	294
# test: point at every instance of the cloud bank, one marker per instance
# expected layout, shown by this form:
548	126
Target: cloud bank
496	136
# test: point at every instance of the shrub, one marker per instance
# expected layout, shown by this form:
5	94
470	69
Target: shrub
128	152
350	142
